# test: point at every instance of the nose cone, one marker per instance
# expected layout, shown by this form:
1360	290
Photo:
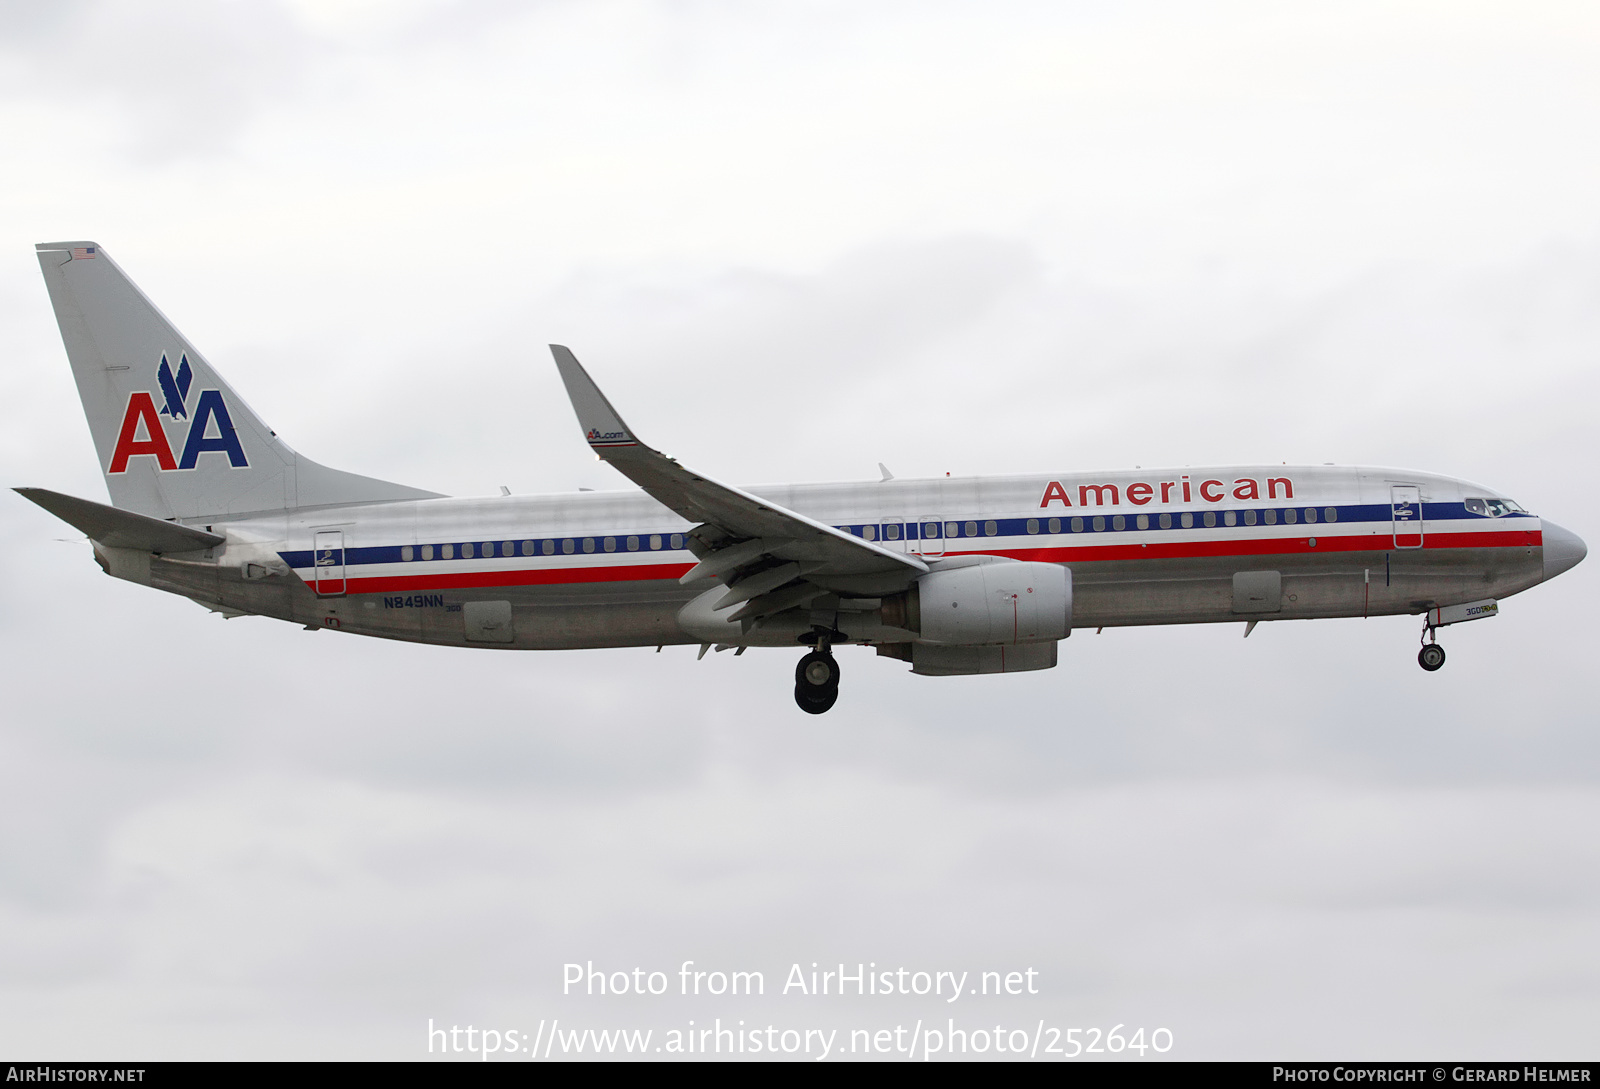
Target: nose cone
1563	550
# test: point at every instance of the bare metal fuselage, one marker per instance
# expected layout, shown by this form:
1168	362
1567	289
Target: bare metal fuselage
602	569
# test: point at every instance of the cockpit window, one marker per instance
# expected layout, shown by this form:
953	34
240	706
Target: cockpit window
1493	508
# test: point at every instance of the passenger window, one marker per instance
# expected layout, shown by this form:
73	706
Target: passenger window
588	544
405	553
1330	514
990	529
1186	521
1033	525
1290	515
1119	522
466	551
548	548
972	529
1055	525
1209	518
1249	517
1099	523
566	545
892	531
1311	514
952	529
1229	518
427	552
633	544
1143	521
611	544
930	531
677	541
1165	521
655	542
508	549
869	533
1077	525
447	552
1270	517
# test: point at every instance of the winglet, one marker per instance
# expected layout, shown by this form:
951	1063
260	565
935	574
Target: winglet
697	498
602	426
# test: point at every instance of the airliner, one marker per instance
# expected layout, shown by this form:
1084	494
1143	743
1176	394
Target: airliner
952	575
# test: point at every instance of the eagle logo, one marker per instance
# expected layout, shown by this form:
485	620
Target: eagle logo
175	388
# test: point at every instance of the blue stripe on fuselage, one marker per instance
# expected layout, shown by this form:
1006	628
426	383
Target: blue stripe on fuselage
1353	514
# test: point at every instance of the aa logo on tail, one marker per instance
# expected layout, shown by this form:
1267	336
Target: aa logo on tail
210	414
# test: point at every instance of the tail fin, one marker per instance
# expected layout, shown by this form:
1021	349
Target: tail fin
174	439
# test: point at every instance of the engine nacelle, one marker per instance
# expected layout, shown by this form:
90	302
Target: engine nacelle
987	603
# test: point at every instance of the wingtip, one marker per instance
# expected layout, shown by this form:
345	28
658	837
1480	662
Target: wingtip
601	424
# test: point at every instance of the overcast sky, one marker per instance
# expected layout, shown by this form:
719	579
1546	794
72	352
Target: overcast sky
791	241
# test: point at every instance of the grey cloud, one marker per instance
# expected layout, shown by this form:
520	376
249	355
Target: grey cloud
160	81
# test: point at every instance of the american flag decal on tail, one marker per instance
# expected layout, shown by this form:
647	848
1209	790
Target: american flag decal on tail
80	253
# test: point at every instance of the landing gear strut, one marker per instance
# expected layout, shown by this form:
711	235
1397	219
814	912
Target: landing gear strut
816	680
1431	656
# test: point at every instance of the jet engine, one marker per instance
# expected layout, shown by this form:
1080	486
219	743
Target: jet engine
1009	602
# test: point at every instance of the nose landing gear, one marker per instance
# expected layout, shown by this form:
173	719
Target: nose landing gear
1431	656
816	682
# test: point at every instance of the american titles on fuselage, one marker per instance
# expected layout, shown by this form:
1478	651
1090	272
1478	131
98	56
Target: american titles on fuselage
1139	493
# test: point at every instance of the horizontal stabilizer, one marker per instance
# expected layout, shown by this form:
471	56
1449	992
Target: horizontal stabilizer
120	528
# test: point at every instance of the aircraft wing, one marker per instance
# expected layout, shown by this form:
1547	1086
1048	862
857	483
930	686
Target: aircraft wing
771	558
117	528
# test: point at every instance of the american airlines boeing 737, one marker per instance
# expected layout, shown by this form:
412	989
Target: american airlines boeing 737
951	575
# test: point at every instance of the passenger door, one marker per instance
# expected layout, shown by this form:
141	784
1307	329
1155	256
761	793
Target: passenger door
328	559
1405	504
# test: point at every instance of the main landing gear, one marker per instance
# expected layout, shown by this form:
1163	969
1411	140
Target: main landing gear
1431	656
816	678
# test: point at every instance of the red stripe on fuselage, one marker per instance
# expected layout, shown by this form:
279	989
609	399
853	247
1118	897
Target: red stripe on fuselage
467	580
1273	546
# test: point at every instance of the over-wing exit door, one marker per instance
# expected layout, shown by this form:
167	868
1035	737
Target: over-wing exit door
929	537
